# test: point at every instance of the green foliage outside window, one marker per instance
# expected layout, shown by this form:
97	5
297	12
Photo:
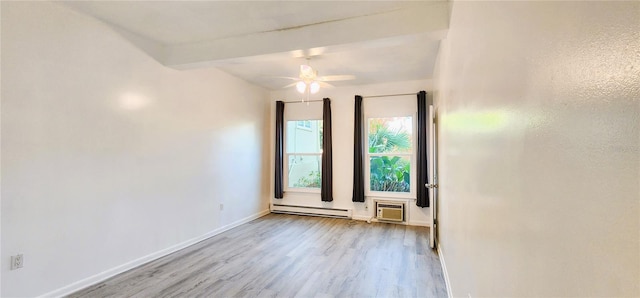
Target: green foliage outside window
389	172
313	180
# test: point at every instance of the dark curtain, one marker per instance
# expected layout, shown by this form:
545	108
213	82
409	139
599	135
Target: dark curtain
326	191
279	148
358	175
422	166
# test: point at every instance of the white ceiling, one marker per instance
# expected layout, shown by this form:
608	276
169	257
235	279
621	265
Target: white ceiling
377	41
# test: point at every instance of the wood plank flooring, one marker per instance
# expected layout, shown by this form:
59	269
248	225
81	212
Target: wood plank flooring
291	256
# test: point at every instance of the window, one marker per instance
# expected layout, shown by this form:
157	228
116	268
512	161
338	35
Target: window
304	124
390	154
304	154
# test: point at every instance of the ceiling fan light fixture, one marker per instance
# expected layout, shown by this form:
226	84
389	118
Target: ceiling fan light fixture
314	87
306	70
301	87
308	81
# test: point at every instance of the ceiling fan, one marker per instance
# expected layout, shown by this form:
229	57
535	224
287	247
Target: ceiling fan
308	80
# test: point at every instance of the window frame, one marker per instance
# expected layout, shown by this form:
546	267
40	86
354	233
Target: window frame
412	159
288	154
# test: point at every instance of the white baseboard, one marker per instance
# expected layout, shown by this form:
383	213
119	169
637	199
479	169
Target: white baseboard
409	223
361	217
419	223
81	284
444	270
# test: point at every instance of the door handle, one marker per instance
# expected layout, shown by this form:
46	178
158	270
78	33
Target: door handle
431	185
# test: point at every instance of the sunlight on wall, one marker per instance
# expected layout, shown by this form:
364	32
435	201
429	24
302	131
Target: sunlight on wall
133	101
476	122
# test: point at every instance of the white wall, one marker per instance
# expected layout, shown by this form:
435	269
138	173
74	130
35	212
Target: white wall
107	156
539	108
342	112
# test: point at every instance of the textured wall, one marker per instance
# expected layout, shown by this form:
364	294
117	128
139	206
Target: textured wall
539	109
107	156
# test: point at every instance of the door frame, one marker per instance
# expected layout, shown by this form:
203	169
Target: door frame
432	183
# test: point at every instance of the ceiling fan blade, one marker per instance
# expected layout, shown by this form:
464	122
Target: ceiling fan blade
290	85
325	85
337	78
288	78
309	53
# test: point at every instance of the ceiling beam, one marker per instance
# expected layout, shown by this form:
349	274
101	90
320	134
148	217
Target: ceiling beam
431	18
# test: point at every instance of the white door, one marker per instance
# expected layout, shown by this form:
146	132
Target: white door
432	181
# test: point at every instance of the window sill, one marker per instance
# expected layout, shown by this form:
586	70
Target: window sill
391	196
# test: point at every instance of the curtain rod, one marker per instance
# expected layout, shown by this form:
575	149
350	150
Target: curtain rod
389	95
299	101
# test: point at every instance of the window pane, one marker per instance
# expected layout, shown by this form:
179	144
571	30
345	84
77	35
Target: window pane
390	135
304	136
304	171
390	173
304	123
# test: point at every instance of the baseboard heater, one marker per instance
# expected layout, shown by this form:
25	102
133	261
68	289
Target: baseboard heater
311	211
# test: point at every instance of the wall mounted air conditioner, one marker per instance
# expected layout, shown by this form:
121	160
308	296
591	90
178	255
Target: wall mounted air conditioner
390	211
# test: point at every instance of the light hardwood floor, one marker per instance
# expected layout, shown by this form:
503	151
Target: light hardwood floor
287	255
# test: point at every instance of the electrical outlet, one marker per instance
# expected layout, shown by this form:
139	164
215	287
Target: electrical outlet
17	261
221	207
